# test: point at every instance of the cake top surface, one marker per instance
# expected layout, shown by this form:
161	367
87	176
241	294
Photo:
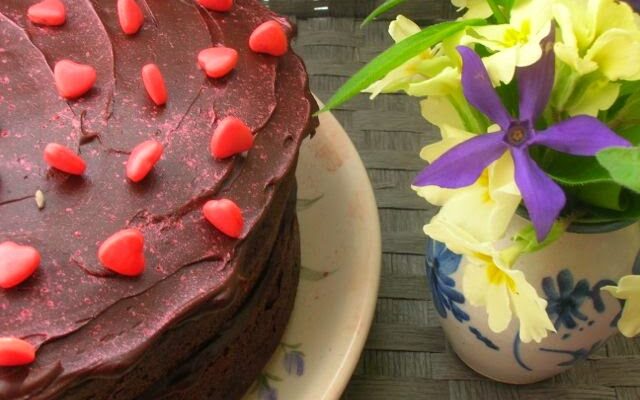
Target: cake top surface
72	304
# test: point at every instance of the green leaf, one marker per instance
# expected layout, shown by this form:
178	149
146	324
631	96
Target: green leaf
623	163
507	4
607	195
632	134
304	204
309	274
572	170
394	57
501	18
629	113
381	9
629	87
272	377
529	242
599	215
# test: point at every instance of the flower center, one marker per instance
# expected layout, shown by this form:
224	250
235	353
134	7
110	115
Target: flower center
514	37
517	134
497	277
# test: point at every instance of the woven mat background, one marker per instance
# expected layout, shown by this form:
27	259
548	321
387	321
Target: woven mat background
407	356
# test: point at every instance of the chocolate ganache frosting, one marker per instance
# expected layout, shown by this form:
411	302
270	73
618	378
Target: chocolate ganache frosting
86	321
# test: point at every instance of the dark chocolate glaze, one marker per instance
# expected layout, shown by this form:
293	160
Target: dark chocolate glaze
86	321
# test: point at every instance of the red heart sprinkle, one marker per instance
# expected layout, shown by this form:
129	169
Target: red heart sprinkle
123	253
225	215
217	61
17	263
15	352
47	12
130	16
64	159
230	137
216	5
154	84
269	38
142	159
73	79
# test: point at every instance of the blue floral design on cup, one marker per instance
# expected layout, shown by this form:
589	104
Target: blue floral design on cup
441	263
566	300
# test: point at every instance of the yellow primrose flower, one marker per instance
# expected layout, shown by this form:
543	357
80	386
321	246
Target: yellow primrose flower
600	35
516	43
489	282
599	42
483	209
475	8
628	289
429	73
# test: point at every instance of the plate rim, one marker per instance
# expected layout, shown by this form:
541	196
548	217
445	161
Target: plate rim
353	354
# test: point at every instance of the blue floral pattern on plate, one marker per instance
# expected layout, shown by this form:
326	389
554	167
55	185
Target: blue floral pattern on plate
293	364
293	359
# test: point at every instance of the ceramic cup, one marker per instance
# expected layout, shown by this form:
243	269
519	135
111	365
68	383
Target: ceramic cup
568	274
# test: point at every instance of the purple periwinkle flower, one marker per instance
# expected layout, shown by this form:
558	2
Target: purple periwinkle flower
463	164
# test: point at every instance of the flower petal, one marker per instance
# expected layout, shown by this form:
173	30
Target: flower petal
530	309
617	53
629	323
498	306
439	111
543	197
599	94
581	136
478	89
536	81
628	289
451	137
402	27
462	165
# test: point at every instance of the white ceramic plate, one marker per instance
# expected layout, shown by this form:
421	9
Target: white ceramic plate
340	273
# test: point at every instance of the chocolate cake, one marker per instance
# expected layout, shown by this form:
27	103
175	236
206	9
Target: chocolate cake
148	237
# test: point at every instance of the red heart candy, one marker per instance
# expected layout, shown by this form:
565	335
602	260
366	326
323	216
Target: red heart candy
64	159
217	61
269	38
225	215
73	79
230	137
15	352
47	12
142	159
216	5
123	253
17	263
130	16
154	84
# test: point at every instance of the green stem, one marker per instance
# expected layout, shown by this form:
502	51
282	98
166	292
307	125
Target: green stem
566	89
501	18
467	115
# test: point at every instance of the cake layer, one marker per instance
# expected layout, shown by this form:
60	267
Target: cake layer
226	368
216	325
85	321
